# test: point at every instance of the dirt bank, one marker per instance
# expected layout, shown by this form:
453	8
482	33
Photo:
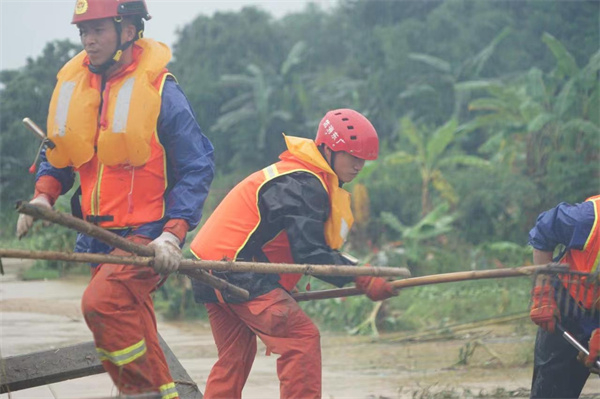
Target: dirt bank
40	315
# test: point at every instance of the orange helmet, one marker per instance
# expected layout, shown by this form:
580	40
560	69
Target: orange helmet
348	130
86	10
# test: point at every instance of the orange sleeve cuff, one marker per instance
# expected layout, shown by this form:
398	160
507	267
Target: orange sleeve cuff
48	186
177	227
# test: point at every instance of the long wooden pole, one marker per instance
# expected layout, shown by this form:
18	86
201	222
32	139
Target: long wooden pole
437	279
117	241
190	264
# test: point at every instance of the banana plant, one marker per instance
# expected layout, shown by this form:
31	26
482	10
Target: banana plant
260	97
431	154
543	119
409	240
462	78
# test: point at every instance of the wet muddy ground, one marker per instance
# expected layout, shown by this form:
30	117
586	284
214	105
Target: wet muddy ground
42	315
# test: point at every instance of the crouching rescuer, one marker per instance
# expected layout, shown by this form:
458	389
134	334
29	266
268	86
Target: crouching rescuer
293	211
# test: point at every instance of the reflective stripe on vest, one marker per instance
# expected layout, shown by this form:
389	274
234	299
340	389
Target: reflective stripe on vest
586	261
270	172
122	107
62	107
594	238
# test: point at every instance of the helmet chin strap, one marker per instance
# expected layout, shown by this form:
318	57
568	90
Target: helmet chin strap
331	161
116	57
340	182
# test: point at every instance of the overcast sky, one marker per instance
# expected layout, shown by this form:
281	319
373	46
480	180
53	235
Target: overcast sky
27	25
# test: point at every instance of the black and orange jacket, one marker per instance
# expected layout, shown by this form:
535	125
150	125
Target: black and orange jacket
293	211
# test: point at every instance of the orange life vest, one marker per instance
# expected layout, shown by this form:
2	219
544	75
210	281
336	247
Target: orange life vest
228	229
121	163
586	261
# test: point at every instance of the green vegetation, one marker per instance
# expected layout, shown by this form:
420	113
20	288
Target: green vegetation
488	112
41	271
426	307
175	300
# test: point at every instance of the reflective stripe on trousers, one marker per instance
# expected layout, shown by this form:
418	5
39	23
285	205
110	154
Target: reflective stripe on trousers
123	356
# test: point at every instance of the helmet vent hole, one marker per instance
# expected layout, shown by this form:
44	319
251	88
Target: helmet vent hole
338	113
352	137
134	7
344	119
350	127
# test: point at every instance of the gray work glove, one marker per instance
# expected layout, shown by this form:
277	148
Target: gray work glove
25	222
167	254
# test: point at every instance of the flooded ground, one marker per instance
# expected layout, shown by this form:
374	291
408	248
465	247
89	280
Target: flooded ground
42	315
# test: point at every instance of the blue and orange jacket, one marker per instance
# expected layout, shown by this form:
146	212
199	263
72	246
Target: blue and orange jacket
577	227
134	141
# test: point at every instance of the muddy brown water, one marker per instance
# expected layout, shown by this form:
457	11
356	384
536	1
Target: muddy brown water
42	315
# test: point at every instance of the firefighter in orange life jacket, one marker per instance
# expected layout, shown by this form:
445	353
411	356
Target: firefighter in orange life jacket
121	121
293	211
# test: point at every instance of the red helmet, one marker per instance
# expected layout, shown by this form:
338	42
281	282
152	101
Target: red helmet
348	130
86	10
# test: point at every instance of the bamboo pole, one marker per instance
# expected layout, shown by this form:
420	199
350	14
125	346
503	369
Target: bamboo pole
438	279
117	241
190	264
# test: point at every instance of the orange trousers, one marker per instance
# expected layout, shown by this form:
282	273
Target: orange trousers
277	319
118	308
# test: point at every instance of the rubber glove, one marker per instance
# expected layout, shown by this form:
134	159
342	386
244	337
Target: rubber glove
376	288
167	254
544	311
25	222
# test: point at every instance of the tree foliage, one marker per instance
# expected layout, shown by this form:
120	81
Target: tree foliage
26	93
488	111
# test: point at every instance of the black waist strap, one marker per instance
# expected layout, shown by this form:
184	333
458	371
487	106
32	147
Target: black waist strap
99	218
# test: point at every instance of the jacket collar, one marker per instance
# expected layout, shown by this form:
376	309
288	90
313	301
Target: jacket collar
306	150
